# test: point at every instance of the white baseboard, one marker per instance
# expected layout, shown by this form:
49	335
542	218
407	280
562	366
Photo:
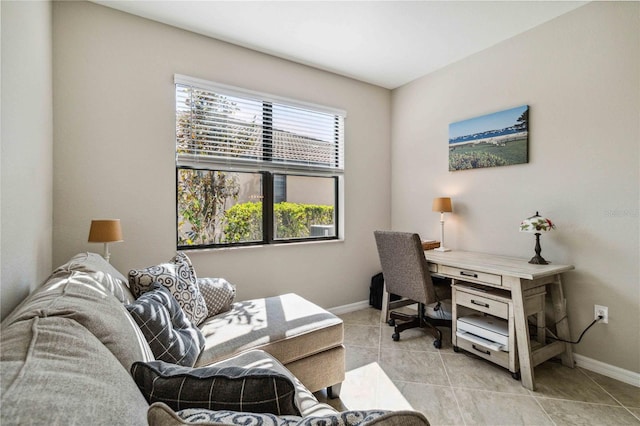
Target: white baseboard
345	309
617	373
608	370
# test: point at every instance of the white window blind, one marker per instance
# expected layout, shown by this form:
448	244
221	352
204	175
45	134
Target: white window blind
230	126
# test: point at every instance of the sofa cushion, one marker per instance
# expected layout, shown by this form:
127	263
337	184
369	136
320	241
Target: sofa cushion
171	335
288	327
179	277
218	294
105	274
77	296
55	372
236	388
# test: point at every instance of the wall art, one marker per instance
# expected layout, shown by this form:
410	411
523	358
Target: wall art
492	140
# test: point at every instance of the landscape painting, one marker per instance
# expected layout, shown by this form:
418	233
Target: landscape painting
498	139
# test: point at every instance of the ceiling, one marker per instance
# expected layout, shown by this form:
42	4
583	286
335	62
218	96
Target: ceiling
386	43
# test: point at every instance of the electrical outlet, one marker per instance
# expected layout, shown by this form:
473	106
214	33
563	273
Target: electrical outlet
601	310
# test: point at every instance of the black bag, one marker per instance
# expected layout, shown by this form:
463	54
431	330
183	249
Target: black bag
375	291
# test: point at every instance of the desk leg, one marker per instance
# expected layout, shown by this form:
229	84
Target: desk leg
562	323
384	315
522	335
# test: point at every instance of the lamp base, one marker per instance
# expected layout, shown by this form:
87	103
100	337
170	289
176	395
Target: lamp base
441	249
538	260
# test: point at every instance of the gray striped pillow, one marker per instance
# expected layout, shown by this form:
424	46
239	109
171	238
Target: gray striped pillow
254	390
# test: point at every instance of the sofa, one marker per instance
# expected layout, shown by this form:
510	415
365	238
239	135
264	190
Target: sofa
78	351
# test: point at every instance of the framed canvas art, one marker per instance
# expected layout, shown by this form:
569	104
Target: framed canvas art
492	140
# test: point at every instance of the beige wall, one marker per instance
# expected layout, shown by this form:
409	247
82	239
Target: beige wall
115	146
580	75
27	144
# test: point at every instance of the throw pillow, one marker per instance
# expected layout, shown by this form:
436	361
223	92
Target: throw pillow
218	294
199	416
161	415
180	278
250	389
171	336
344	418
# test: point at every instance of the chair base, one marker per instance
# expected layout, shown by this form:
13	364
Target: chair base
417	321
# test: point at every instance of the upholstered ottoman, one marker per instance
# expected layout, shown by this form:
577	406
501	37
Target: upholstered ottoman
304	337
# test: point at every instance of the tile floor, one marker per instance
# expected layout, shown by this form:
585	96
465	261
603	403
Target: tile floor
459	389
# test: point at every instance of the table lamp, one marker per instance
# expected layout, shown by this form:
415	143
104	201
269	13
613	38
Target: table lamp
537	224
442	205
105	231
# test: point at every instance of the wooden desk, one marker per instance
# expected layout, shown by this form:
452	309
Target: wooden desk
521	279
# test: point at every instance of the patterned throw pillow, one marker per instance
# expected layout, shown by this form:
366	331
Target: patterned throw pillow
179	277
218	294
195	415
171	335
255	390
345	418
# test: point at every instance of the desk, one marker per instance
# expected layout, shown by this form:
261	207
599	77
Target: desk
520	280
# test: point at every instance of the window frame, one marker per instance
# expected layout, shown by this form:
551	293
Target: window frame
264	167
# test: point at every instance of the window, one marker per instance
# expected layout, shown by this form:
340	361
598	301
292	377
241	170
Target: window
253	168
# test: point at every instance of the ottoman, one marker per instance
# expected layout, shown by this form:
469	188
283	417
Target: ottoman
305	338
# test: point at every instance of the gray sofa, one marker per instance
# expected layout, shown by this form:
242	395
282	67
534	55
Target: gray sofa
68	349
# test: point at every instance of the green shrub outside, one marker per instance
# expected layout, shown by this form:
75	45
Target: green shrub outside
293	220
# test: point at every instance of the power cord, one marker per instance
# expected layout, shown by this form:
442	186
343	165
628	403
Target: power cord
582	334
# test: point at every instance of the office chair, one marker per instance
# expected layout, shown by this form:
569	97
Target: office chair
406	274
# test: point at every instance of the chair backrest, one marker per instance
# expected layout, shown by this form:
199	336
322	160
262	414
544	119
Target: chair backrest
404	266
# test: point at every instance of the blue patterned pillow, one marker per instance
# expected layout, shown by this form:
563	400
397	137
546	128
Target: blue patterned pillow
171	335
179	277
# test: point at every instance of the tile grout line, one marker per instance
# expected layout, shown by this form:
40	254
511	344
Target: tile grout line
453	391
608	393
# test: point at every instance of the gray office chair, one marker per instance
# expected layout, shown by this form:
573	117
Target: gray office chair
406	274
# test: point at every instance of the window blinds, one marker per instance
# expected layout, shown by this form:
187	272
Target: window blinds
228	126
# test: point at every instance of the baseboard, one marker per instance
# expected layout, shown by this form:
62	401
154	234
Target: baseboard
345	309
608	370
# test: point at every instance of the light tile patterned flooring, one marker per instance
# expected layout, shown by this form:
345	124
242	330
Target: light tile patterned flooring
459	389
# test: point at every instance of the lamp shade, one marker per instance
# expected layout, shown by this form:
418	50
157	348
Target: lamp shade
105	231
536	224
442	205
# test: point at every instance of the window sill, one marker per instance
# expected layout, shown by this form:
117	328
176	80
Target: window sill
261	246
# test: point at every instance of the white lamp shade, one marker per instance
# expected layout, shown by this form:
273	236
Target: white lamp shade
536	224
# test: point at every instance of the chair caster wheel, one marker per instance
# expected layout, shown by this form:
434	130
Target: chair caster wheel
392	323
456	349
516	375
395	337
437	344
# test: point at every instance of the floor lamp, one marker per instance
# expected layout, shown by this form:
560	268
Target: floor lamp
442	205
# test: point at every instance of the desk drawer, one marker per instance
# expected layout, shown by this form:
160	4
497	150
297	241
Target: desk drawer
497	357
470	275
482	304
